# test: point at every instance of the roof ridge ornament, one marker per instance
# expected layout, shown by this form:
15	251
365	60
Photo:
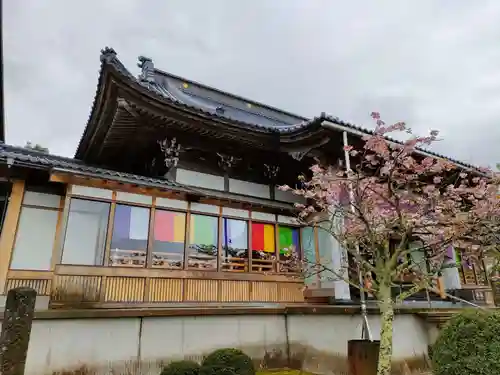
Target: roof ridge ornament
148	69
108	54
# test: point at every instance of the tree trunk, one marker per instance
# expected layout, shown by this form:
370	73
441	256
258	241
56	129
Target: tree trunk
387	318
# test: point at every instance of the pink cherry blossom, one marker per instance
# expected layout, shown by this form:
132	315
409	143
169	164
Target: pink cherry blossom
397	193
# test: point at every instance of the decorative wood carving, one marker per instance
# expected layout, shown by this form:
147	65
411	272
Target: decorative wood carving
271	171
171	150
298	155
226	162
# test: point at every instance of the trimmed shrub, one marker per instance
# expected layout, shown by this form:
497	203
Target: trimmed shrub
469	344
227	361
183	367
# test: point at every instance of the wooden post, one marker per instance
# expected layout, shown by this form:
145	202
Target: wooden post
9	231
440	285
362	356
16	329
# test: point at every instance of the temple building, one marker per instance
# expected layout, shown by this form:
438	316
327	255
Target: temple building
172	198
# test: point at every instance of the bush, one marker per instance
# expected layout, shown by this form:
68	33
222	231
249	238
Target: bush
181	368
227	362
469	344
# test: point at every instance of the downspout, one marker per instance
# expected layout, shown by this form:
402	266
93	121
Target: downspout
365	330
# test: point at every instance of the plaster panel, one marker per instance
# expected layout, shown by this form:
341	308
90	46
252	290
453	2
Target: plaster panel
122	196
194	178
91	192
249	188
69	343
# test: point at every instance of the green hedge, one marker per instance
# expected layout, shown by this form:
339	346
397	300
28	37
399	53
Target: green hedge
181	368
227	361
469	344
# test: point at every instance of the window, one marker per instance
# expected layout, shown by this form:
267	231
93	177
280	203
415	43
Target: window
288	241
129	241
34	239
469	271
203	240
289	249
36	232
308	243
418	258
169	236
326	246
85	237
234	245
263	247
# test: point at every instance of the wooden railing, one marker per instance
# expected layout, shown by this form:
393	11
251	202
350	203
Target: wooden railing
122	287
477	294
234	264
263	265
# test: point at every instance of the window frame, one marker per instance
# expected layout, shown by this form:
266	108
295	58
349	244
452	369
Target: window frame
188	212
111	232
64	232
187	242
149	254
222	257
461	268
59	210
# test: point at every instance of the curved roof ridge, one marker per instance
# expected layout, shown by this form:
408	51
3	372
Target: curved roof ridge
108	57
147	82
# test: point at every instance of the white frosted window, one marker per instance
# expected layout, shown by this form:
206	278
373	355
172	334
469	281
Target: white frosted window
309	253
326	244
33	198
34	239
85	237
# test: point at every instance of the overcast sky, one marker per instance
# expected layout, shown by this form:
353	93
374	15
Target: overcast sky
434	64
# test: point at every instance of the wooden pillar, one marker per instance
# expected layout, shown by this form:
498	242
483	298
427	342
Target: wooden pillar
362	356
9	231
440	287
16	330
62	223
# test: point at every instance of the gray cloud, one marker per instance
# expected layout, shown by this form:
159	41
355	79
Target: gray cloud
431	64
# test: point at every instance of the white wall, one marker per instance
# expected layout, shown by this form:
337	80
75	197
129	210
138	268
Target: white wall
209	181
249	188
193	178
116	344
331	333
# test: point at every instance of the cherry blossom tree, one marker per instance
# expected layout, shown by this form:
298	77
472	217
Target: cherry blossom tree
397	211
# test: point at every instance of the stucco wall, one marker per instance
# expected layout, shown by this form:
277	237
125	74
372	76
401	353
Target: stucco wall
134	345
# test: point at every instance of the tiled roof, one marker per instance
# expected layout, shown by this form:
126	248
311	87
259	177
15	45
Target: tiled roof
217	104
207	100
32	158
36	159
359	129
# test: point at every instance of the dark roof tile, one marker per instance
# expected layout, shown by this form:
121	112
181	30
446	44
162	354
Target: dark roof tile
150	80
35	158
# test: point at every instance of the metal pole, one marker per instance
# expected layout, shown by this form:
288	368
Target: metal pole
365	331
